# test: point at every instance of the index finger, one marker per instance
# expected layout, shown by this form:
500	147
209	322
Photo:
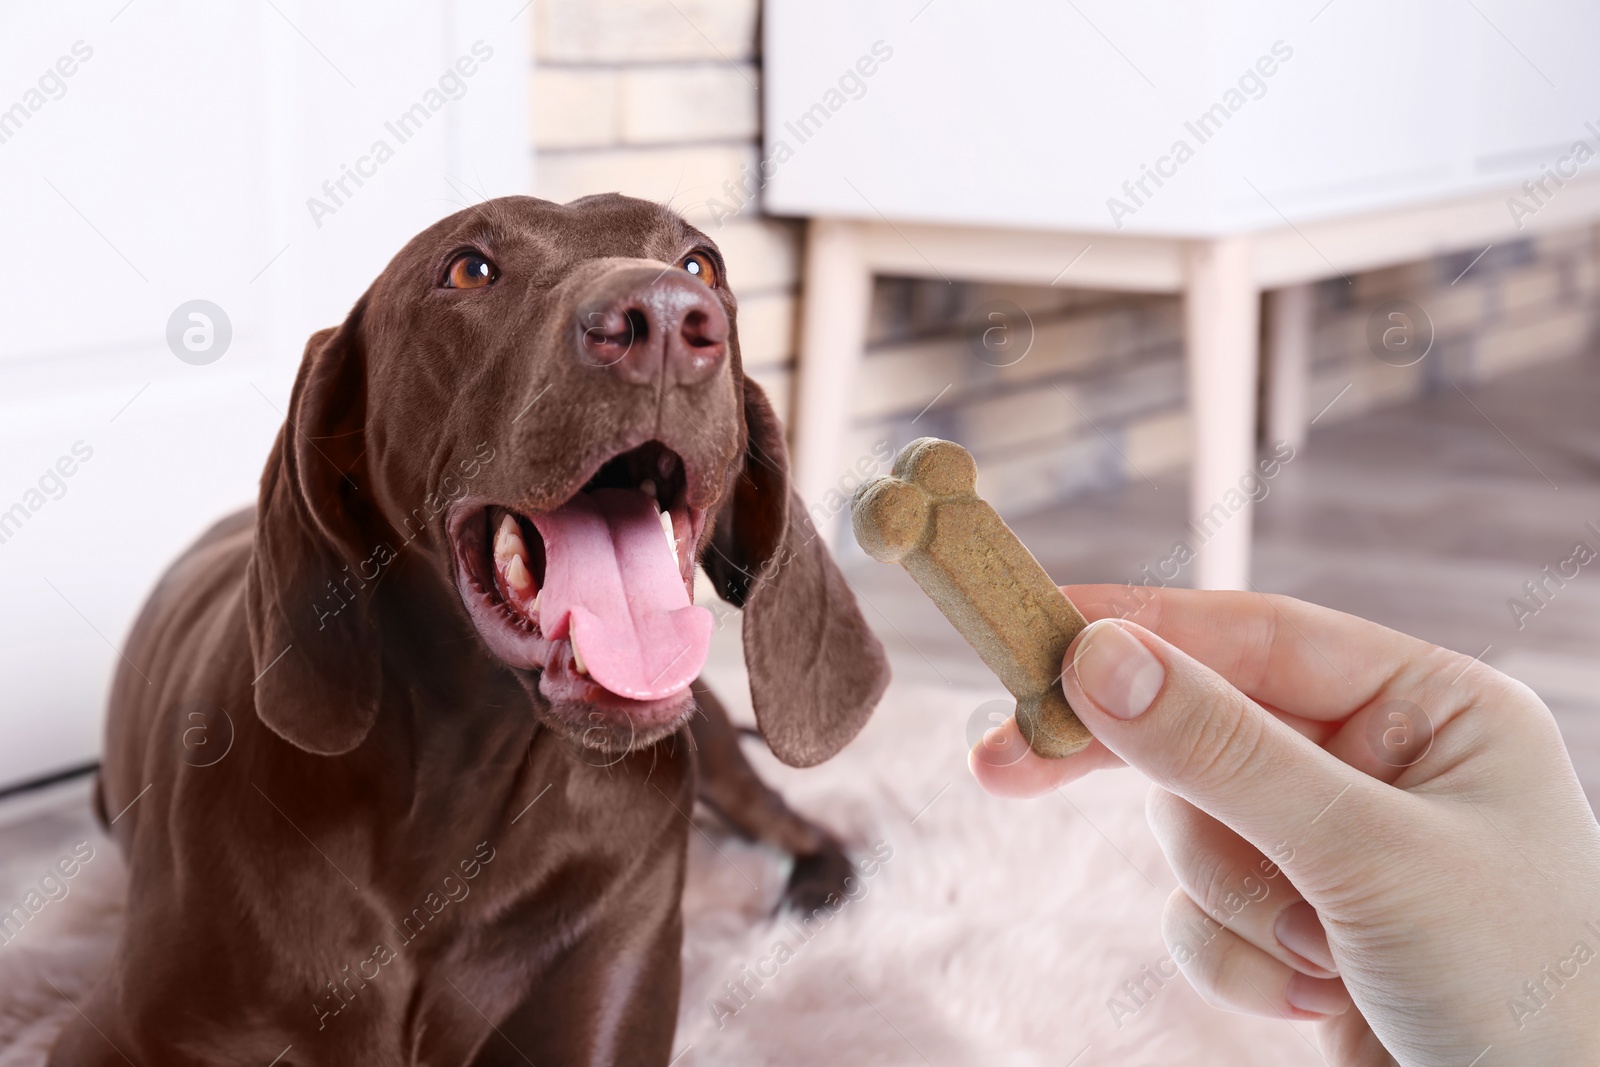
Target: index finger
1312	661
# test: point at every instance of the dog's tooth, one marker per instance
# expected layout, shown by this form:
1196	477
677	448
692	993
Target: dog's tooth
648	487
577	659
508	540
536	598
517	576
666	528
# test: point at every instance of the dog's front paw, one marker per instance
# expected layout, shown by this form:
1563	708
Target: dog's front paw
819	879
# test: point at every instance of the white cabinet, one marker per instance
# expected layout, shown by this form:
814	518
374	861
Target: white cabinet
1037	115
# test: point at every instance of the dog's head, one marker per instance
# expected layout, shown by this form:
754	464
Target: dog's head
545	403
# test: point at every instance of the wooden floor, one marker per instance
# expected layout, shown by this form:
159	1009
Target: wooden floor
1428	517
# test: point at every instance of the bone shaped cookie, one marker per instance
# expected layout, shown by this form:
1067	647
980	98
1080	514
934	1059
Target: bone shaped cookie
927	516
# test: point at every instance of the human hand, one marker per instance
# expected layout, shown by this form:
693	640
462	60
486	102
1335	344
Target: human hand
1442	898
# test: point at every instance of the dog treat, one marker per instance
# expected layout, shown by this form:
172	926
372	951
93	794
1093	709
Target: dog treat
926	515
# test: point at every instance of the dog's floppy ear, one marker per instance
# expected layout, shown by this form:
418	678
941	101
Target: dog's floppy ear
816	670
312	632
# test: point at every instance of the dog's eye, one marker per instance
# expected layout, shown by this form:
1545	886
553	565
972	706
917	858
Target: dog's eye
702	266
469	270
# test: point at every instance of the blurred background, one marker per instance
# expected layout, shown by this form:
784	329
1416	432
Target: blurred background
266	161
1297	296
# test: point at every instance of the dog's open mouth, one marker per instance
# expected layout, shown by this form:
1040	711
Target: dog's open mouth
596	593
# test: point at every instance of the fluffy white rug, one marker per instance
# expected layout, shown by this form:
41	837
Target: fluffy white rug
996	933
61	952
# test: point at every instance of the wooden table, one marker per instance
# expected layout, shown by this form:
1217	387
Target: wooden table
1221	279
1215	148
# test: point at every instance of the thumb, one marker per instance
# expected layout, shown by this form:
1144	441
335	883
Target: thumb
1194	734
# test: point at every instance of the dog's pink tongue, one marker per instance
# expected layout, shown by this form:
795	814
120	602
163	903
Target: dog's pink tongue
612	587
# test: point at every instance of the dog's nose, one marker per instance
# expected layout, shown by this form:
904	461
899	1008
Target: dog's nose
653	326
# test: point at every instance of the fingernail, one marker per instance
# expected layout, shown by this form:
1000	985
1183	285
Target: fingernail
1321	996
1116	670
999	747
1300	931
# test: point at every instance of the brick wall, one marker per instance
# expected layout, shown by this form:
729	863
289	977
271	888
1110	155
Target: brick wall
1098	401
660	99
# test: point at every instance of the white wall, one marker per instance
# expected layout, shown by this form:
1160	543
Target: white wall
175	163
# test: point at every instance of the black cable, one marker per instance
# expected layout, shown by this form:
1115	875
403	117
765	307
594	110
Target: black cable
50	779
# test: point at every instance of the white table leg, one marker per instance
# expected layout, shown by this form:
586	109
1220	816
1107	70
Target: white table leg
1289	364
1221	320
833	334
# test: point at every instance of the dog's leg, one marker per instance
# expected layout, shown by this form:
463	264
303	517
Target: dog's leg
95	1036
729	786
610	997
611	1001
80	1046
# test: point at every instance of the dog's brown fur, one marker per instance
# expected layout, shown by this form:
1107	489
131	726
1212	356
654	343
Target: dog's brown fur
388	782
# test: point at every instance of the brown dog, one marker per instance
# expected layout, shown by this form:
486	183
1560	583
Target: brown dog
445	671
